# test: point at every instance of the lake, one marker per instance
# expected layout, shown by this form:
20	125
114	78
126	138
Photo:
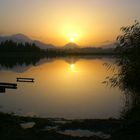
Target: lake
69	88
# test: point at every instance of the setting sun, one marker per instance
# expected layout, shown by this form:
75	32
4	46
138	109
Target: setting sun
72	39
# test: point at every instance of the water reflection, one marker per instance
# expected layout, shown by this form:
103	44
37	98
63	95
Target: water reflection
73	68
64	88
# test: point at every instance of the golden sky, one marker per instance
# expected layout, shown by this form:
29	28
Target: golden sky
86	22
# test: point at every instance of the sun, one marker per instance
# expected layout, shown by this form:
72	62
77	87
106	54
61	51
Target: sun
72	39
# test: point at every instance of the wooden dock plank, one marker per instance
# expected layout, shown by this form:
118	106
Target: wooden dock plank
10	87
8	84
2	90
25	79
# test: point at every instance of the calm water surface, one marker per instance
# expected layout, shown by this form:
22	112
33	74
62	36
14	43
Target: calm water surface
63	88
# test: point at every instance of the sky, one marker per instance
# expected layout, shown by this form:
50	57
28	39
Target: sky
85	22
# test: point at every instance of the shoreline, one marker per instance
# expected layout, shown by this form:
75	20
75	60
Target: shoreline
10	123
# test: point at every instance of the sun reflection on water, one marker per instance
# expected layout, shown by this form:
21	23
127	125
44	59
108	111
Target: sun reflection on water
73	68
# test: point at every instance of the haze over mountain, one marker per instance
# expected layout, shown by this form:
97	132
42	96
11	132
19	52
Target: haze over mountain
21	38
72	45
108	46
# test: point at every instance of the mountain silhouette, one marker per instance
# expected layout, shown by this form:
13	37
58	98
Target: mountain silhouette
43	45
71	45
21	38
108	46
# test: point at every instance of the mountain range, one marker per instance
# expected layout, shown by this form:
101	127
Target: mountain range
21	38
108	46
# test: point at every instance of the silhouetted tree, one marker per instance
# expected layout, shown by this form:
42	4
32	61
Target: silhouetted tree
128	60
129	41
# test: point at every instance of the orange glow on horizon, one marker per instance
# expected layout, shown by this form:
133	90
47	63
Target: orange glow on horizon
85	22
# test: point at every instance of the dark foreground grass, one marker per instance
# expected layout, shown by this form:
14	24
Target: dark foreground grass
10	128
126	129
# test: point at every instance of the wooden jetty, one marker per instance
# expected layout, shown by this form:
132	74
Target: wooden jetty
8	84
3	86
10	87
2	90
25	79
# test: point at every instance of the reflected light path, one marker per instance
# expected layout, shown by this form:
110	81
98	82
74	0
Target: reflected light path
73	68
63	89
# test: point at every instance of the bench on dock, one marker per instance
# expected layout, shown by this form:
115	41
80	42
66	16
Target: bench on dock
25	80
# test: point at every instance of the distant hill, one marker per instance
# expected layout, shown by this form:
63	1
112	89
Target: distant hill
43	45
71	46
108	46
21	38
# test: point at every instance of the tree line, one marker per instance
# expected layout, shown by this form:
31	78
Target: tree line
11	46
